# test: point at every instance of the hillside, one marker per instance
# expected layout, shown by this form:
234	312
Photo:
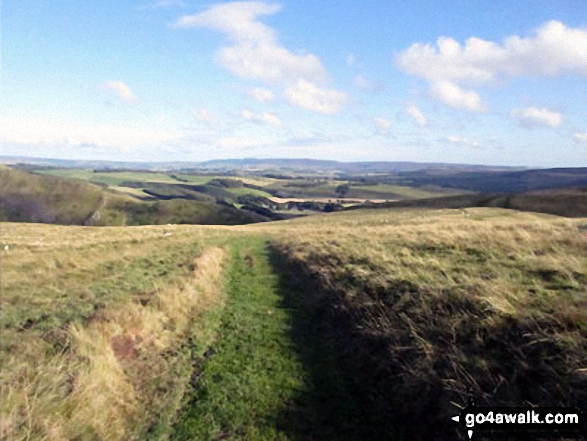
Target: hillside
367	325
498	181
25	197
29	197
568	202
427	309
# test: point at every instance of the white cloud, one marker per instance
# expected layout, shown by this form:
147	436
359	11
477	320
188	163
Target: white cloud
121	90
532	117
553	50
48	132
205	116
262	95
415	112
263	118
309	96
580	137
383	125
270	63
236	19
465	142
255	53
453	96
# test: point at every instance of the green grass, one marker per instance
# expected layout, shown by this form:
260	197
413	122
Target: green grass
110	179
252	191
269	376
198	179
386	191
253	371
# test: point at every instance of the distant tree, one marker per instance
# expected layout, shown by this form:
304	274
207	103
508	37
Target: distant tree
331	207
342	190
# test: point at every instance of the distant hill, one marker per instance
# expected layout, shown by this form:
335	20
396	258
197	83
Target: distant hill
568	202
28	197
300	165
362	167
498	181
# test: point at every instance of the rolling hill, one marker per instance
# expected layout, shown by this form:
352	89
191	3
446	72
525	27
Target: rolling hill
29	197
298	165
498	181
568	202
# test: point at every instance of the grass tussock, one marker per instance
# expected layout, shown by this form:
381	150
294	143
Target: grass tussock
121	373
430	309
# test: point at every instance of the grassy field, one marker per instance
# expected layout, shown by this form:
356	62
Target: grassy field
371	324
110	178
291	187
86	310
428	307
568	202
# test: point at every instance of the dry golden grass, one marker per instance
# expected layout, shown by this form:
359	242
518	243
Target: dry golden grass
430	306
120	370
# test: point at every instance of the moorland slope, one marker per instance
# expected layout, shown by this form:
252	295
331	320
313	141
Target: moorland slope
393	318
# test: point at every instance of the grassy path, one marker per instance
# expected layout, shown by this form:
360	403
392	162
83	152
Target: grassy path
266	377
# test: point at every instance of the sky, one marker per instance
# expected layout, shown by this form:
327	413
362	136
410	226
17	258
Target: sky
459	81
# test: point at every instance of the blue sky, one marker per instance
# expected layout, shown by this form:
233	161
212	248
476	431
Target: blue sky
485	82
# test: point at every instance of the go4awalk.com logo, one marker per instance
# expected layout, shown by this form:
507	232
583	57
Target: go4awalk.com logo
522	423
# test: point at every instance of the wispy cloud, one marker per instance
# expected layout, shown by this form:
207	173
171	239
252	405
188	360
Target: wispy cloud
531	117
262	95
461	141
255	53
205	116
383	125
120	90
449	66
261	118
415	112
580	137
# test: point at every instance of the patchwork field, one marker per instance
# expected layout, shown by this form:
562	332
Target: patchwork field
374	324
308	188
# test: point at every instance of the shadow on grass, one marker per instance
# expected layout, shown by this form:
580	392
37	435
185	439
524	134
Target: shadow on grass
333	406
